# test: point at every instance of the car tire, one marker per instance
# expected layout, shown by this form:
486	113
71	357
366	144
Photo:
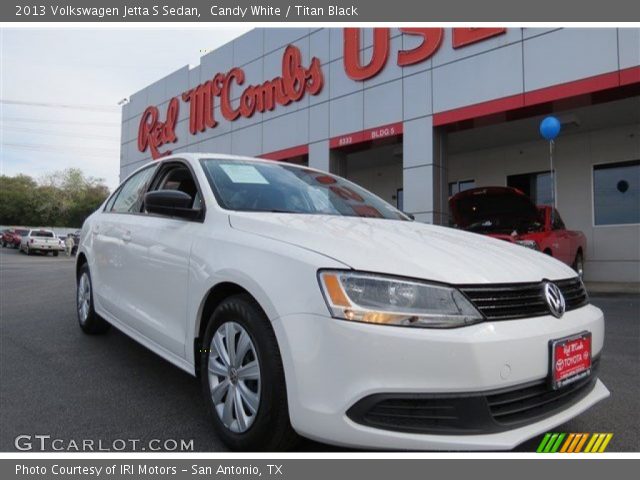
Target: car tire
578	264
55	254
262	423
4	244
90	322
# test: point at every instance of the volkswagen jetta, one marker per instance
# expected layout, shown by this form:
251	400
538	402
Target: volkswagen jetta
309	306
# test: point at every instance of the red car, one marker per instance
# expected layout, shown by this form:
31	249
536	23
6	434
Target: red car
508	214
11	237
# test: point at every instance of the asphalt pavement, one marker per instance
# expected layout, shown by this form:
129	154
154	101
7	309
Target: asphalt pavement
109	390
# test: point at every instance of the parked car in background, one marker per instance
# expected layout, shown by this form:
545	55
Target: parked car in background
41	240
508	214
11	237
3	235
307	305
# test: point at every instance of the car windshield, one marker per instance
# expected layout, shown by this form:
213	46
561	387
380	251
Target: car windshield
22	232
246	185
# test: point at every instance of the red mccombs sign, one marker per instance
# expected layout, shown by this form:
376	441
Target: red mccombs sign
291	86
295	81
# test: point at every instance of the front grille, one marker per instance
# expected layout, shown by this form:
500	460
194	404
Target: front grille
469	413
520	300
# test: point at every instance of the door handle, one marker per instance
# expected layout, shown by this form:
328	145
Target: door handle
126	237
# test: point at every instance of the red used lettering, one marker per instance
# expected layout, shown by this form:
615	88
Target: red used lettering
431	40
380	53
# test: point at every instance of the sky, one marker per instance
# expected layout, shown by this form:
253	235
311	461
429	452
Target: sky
60	88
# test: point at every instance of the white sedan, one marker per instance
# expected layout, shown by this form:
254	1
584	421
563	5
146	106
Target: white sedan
308	306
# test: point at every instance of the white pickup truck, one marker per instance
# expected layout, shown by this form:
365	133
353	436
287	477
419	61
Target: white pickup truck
40	240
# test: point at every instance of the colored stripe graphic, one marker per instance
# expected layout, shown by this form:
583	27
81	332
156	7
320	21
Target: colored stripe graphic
606	441
581	443
567	442
592	441
550	443
574	442
555	447
544	441
600	443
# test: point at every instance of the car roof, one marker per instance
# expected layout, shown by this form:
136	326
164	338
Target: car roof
193	159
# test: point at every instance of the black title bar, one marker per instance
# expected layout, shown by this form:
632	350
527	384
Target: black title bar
320	11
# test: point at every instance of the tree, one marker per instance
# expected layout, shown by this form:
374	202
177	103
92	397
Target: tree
63	198
16	197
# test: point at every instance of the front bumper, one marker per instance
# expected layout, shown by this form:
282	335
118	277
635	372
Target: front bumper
330	365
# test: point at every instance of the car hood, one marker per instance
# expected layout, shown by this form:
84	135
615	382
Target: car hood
404	248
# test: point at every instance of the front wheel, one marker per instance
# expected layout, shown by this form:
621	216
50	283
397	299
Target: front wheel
55	253
578	264
90	322
243	378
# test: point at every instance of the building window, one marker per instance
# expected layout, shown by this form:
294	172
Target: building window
537	186
461	186
400	199
616	193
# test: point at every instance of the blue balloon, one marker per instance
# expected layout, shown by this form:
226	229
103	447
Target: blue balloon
550	128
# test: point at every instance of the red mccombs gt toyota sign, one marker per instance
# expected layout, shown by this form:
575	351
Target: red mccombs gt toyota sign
296	81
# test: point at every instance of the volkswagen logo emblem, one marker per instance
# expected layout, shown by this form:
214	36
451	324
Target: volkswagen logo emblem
555	300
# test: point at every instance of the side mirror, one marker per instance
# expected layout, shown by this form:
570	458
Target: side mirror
172	203
410	215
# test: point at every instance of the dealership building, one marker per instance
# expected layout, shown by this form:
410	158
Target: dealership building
418	114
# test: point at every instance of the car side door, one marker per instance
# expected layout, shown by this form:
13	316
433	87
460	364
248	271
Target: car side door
110	233
160	249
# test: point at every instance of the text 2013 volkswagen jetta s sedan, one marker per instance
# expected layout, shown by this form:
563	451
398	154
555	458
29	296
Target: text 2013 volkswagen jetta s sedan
309	306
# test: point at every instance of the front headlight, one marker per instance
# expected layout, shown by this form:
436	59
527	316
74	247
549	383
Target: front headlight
372	298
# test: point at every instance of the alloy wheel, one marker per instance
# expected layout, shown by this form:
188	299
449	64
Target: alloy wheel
234	377
84	297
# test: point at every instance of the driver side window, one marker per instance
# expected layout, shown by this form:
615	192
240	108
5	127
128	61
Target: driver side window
129	198
178	177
